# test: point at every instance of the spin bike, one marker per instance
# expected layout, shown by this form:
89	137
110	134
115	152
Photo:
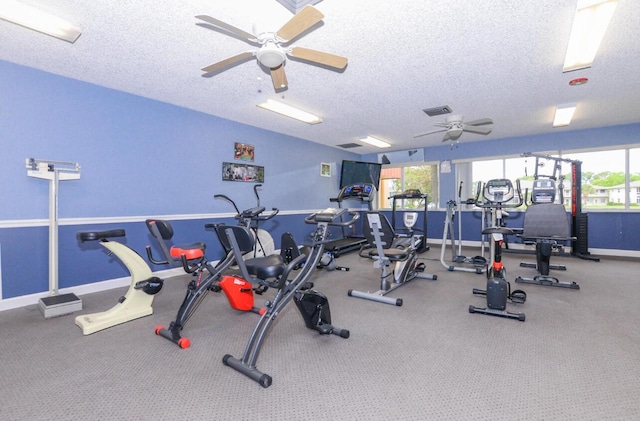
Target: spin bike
138	300
313	306
498	194
251	219
206	277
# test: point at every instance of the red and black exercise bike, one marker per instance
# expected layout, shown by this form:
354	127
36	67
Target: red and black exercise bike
499	194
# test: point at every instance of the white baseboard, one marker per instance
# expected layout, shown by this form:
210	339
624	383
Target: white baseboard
27	300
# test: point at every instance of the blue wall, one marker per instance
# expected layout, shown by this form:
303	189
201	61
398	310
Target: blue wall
142	158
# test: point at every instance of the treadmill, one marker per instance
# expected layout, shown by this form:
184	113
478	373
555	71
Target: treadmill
412	194
363	192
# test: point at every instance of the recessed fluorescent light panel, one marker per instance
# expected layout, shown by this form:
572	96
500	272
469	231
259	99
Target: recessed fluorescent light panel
289	111
38	20
564	114
589	25
375	142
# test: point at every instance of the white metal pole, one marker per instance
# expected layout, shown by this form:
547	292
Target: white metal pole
53	234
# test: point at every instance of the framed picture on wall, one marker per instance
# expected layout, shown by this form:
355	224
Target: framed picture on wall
232	171
325	169
243	151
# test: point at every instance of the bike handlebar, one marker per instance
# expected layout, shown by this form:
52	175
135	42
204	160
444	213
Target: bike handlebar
254	214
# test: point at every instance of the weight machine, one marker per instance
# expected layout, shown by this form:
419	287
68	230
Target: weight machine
579	220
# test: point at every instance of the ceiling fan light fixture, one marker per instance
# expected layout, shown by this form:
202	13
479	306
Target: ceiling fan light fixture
289	111
564	114
375	142
589	26
38	20
271	56
454	132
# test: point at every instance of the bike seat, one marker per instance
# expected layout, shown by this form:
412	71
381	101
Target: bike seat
266	267
498	230
99	235
190	251
393	254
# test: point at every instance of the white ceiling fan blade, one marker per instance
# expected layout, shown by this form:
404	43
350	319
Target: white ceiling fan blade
229	62
302	21
229	28
478	130
319	57
479	122
431	132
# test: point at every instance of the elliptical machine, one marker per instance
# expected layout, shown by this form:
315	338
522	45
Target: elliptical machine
497	194
251	218
479	263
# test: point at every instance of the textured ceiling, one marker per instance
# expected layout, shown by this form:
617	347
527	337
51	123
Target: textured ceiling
484	58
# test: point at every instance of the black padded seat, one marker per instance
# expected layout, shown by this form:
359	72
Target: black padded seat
99	235
266	267
261	267
546	221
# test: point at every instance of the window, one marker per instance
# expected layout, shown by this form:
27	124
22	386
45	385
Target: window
610	178
398	179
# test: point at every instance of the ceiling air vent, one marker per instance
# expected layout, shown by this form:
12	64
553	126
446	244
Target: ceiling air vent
349	145
295	6
444	109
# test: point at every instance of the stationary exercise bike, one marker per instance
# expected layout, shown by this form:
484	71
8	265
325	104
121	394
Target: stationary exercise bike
385	250
313	306
138	300
206	278
497	195
251	218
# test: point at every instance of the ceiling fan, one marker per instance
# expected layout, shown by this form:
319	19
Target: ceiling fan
454	125
271	52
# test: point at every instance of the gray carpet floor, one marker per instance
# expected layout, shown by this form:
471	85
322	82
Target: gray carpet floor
576	357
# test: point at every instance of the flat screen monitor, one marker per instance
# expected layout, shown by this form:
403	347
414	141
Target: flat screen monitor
354	172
